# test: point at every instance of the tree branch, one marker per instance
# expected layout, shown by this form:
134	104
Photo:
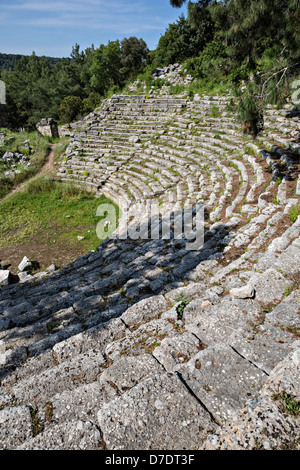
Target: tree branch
283	71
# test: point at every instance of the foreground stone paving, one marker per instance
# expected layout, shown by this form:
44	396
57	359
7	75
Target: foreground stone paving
146	344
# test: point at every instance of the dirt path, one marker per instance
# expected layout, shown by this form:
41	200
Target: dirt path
47	167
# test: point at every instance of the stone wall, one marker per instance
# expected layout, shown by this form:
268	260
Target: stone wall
48	127
2	103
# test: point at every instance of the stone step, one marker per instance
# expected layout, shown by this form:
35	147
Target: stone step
117	349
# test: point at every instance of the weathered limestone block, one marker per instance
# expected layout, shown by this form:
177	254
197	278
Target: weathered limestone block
76	435
285	377
222	379
127	372
159	413
5	277
264	423
141	340
287	313
15	427
265	345
224	322
25	264
97	337
48	127
39	388
269	286
245	292
144	310
174	351
81	403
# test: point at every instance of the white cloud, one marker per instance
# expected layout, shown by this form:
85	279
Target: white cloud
124	17
48	25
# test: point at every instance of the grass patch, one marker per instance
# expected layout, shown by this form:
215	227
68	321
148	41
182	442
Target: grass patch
294	213
60	149
288	404
41	147
48	213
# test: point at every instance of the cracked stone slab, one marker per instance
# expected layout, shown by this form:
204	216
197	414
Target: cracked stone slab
285	377
263	424
144	310
222	380
223	322
287	313
96	337
265	346
127	372
159	413
143	339
74	435
269	286
81	403
259	425
33	365
39	388
176	350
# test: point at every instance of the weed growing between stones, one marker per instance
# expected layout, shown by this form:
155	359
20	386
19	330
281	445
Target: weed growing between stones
294	213
288	403
183	303
37	426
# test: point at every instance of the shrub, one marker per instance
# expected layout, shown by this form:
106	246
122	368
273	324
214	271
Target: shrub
294	213
249	113
70	108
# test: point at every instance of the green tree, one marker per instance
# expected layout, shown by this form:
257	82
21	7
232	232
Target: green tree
183	40
91	102
70	108
252	26
106	67
134	53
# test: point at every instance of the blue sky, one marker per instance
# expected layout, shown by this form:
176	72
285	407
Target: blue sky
51	28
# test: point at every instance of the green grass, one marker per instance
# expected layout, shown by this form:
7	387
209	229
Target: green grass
48	212
294	213
289	404
39	144
60	149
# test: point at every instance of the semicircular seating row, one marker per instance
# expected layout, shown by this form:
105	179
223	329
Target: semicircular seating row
138	335
179	152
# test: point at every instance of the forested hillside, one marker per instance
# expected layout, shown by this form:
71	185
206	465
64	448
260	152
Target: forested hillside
222	44
8	61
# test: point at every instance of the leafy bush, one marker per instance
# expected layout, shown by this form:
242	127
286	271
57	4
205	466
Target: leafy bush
294	213
91	102
176	89
70	108
249	112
